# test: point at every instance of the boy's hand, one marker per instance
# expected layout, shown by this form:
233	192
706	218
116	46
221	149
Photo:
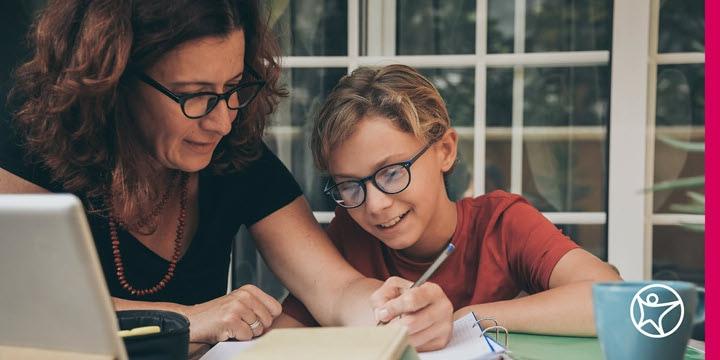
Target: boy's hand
425	311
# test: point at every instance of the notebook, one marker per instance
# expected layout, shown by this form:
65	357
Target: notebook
468	342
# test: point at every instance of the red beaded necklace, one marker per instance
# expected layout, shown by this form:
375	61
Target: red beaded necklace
147	224
179	234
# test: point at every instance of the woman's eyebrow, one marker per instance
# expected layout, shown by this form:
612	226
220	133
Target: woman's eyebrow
201	82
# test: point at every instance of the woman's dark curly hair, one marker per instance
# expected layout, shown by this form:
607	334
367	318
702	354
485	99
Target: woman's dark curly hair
70	97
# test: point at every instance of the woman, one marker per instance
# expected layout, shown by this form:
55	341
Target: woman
153	113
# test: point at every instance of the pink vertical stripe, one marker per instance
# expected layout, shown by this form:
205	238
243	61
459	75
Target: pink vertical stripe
712	173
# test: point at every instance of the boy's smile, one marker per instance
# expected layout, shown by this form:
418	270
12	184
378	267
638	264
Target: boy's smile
393	222
420	219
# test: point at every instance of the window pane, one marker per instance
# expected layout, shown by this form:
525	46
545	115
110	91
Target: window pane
310	27
426	27
678	254
459	182
682	26
497	160
566	96
498	128
568	25
680	116
499	97
564	138
591	237
292	124
457	87
501	26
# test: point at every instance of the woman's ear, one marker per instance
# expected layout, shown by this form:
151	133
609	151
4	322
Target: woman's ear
447	147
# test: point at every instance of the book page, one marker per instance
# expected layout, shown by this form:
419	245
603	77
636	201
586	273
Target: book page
467	342
227	350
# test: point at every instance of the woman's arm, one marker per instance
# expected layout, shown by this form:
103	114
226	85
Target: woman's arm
564	309
13	184
301	255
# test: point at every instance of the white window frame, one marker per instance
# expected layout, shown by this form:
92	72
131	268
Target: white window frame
381	34
632	137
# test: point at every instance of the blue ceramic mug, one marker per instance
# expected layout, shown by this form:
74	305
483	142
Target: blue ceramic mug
644	320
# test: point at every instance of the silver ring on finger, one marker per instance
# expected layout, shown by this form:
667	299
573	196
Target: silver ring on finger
255	326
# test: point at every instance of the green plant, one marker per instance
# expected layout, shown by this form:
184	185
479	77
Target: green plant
696	200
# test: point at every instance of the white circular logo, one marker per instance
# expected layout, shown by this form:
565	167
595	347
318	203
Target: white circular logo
651	311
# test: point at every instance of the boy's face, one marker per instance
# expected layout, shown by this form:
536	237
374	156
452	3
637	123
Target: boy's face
404	219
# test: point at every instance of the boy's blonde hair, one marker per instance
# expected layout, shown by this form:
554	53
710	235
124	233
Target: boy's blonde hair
396	92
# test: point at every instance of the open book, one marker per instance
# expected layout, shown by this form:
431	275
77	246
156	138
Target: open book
467	343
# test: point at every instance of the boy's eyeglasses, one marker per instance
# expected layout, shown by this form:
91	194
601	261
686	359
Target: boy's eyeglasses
390	179
197	105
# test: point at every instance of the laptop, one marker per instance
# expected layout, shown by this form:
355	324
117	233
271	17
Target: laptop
53	299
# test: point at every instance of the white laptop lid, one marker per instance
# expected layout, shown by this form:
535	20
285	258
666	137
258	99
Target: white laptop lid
52	291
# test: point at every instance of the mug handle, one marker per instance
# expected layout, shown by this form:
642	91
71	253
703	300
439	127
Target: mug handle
699	316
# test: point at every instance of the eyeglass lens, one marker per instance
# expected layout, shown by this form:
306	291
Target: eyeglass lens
203	104
390	180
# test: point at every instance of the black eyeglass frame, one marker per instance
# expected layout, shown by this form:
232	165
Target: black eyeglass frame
362	182
182	99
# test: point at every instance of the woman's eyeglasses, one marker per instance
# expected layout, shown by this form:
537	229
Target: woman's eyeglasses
390	179
197	105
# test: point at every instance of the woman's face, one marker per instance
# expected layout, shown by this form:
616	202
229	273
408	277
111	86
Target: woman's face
212	64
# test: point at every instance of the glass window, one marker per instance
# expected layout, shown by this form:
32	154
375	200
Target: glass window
682	26
679	155
459	182
426	27
568	25
680	119
457	87
501	26
292	125
565	123
310	27
499	97
678	254
551	25
498	112
591	237
575	96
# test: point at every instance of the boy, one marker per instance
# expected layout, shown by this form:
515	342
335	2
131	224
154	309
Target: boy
385	139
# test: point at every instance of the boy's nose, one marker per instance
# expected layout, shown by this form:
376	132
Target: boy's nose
375	200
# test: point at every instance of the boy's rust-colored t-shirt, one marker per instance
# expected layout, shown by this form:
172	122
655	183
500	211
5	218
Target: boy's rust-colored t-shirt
503	246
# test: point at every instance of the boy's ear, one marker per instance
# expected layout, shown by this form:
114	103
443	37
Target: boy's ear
447	145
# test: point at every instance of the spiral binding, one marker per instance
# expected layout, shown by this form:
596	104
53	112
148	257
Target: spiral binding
498	329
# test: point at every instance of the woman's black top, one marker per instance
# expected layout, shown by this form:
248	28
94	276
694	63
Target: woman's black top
226	202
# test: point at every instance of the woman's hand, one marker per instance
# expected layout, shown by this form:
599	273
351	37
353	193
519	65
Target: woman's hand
425	311
231	316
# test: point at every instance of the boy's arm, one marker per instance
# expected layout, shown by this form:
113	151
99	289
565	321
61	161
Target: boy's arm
564	309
